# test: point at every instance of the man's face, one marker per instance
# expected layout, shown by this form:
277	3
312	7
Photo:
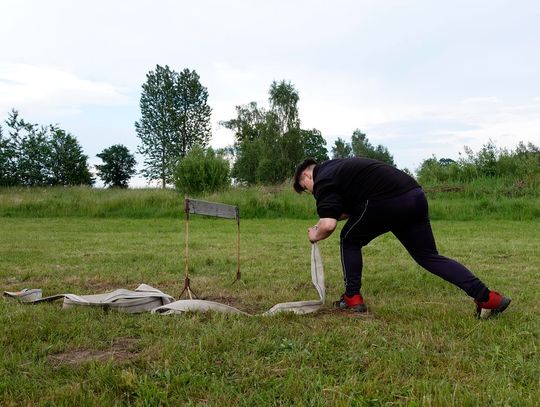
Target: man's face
306	181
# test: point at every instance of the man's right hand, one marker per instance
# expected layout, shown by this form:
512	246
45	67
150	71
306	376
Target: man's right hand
323	229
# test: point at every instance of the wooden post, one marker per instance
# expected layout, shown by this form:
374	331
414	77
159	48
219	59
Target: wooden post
187	289
238	274
186	209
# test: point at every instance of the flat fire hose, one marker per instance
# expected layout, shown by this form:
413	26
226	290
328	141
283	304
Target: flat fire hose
146	298
297	307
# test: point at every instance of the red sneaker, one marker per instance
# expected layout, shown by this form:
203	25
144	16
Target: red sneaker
355	303
496	304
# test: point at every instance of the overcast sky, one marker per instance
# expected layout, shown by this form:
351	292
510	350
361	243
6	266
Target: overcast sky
420	77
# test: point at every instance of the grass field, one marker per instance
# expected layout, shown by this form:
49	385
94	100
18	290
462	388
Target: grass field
419	345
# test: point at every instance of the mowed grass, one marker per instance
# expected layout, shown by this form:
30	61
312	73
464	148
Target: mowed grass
419	345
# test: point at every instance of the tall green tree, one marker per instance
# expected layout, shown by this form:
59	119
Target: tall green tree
118	166
361	147
68	165
314	145
30	150
341	149
158	124
8	161
18	164
269	142
249	122
248	156
33	158
284	104
194	112
175	116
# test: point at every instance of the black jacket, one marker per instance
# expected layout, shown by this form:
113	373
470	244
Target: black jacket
343	185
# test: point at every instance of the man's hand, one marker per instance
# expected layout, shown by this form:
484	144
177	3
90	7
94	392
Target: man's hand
322	229
312	233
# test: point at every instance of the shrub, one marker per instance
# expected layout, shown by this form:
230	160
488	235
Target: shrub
522	164
201	171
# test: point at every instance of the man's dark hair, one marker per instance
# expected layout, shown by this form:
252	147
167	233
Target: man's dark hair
298	173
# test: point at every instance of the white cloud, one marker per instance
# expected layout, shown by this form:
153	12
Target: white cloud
43	88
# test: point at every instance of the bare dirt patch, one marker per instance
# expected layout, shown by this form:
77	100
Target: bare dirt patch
121	351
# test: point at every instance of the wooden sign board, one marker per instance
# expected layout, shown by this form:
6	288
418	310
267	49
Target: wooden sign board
219	210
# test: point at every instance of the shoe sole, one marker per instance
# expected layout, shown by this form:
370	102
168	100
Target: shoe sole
360	308
484	313
356	308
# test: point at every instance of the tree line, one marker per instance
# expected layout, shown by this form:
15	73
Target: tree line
174	131
33	155
38	155
268	140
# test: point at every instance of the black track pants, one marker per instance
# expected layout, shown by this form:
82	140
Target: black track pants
406	216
